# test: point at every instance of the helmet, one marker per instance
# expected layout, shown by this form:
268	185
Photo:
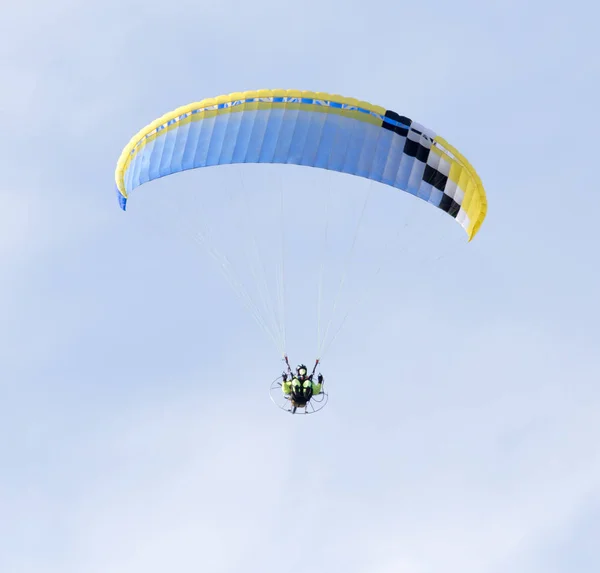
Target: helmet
301	367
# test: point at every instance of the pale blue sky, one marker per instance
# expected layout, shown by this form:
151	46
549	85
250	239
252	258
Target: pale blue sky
137	435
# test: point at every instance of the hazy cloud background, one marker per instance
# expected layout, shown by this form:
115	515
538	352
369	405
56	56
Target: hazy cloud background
136	433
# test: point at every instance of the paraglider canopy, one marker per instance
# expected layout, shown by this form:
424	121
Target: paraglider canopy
312	129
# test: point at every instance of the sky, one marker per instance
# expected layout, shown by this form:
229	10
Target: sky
136	430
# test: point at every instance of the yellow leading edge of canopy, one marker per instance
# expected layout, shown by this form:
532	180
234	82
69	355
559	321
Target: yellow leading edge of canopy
474	202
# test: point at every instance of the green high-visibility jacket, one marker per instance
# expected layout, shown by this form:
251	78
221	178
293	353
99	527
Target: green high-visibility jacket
294	382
